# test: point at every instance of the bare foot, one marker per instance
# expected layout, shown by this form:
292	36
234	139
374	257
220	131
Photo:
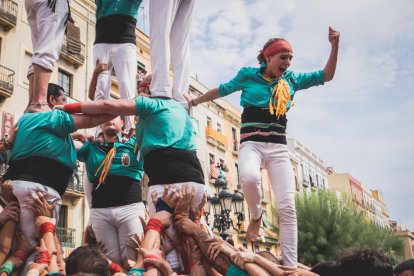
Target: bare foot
253	230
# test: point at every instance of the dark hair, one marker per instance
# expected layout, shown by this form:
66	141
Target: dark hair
327	268
406	265
87	259
54	90
367	262
261	58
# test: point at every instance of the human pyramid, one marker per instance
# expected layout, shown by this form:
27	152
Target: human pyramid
123	238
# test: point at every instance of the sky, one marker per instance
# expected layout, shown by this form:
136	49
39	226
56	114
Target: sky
362	121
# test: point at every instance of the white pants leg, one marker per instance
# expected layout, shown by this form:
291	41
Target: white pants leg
173	257
124	60
23	191
121	58
114	226
250	160
282	179
48	29
180	50
102	51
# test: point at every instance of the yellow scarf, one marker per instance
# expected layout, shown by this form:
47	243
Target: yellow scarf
279	98
106	166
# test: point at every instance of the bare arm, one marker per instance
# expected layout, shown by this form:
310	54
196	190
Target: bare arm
209	96
100	67
6	238
88	121
330	67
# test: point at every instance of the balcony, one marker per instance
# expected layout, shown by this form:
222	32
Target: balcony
74	191
6	82
66	236
216	138
8	14
77	59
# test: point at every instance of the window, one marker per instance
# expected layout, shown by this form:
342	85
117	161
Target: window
245	245
219	127
208	121
236	177
196	126
256	248
63	213
234	136
0	46
65	80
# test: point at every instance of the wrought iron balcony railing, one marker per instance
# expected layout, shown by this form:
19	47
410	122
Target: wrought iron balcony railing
8	14
66	236
6	82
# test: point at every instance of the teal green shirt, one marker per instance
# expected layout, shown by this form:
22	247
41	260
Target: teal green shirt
109	7
125	162
163	123
234	270
256	91
45	134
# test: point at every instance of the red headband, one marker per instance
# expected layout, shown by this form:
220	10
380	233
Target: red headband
277	47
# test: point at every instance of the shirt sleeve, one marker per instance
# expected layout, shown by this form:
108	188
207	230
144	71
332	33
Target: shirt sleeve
82	153
61	123
144	106
306	80
236	84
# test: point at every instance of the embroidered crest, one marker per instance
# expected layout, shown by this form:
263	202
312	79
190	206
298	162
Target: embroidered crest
125	160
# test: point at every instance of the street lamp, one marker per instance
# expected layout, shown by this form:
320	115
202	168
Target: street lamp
222	205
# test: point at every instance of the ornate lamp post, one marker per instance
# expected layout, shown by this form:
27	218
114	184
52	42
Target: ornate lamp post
207	208
222	203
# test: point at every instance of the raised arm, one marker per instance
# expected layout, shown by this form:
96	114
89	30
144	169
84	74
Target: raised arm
330	67
209	96
99	68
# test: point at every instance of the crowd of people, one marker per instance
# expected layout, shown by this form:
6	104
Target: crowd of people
150	133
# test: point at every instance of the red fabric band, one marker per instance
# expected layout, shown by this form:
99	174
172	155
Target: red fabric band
43	257
114	267
73	107
277	47
47	227
190	267
21	255
147	266
155	224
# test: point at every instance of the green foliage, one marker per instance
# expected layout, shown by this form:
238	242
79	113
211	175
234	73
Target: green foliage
327	225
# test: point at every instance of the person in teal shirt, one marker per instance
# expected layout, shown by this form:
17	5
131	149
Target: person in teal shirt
114	45
43	156
165	142
116	196
267	94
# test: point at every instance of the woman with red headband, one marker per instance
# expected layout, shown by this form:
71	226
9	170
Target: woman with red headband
267	94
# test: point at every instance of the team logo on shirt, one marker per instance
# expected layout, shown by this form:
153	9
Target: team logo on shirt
125	160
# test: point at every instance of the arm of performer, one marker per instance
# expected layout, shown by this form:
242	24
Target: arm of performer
330	67
209	96
122	107
88	121
99	68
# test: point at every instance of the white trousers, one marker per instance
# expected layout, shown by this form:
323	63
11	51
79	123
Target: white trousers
173	257
48	29
275	159
114	227
23	191
122	58
170	22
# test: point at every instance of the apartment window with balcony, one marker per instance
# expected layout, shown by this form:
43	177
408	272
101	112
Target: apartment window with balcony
234	137
219	127
65	80
63	214
209	121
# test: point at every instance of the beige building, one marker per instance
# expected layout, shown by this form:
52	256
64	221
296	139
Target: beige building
369	202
